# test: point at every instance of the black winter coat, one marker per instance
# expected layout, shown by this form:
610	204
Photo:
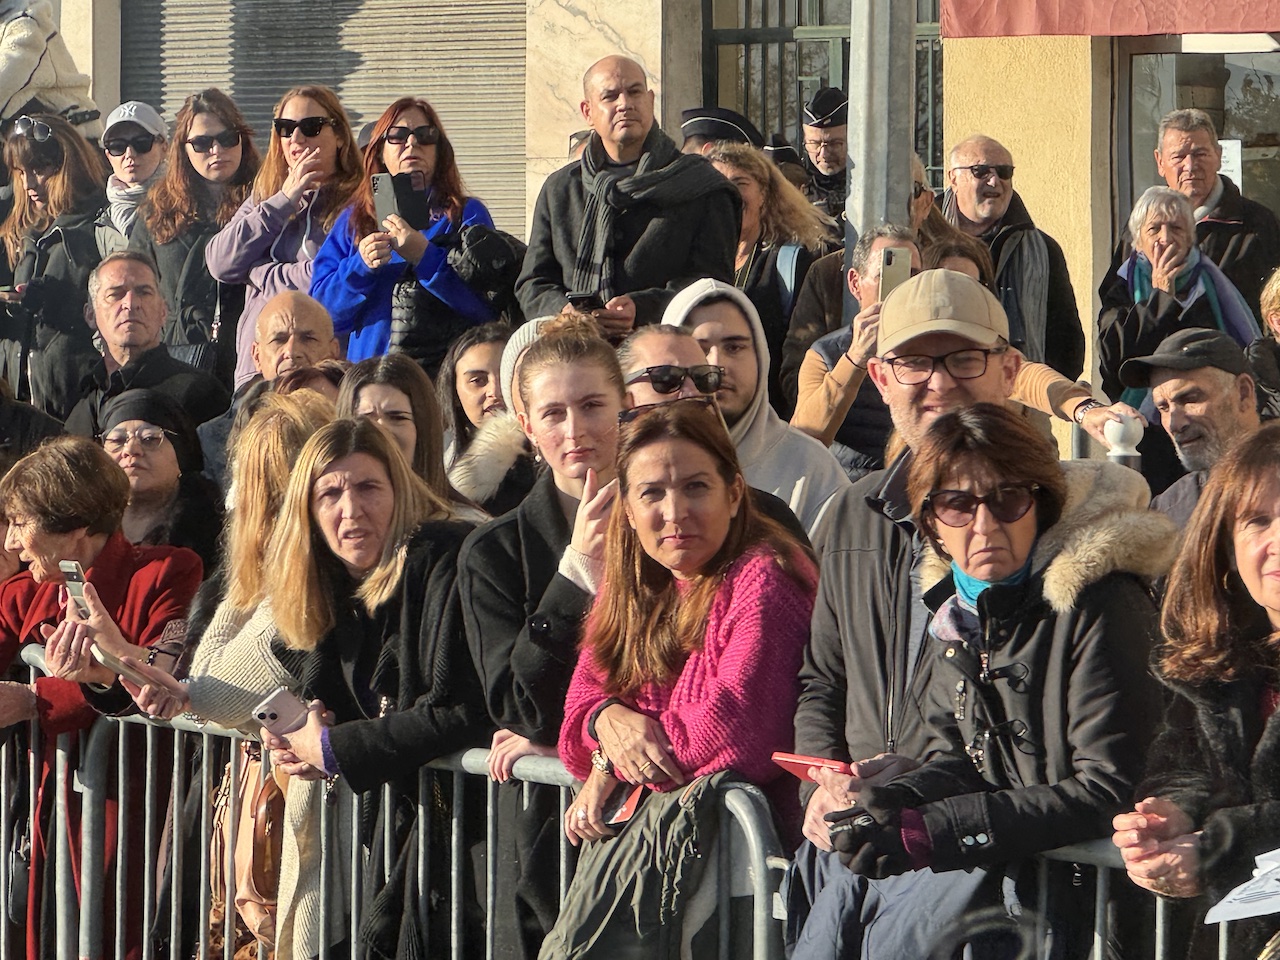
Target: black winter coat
1219	761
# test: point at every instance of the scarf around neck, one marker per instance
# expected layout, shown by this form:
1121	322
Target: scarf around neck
957	620
123	199
664	177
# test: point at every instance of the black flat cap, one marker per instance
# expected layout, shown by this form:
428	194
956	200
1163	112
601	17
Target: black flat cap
828	108
720	123
779	150
1186	350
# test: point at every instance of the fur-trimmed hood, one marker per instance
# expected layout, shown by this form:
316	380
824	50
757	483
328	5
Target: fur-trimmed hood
493	451
1106	526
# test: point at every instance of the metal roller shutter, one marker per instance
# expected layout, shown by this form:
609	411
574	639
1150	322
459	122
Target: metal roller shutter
466	56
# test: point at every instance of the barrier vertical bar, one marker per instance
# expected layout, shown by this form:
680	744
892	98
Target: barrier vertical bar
722	885
206	841
67	929
1042	906
490	864
357	864
424	853
94	779
124	817
1224	941
1162	925
564	846
6	835
388	833
176	846
1101	895
455	870
148	841
232	818
326	851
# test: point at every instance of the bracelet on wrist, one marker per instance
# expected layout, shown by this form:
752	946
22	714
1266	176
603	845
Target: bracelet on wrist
1080	411
601	762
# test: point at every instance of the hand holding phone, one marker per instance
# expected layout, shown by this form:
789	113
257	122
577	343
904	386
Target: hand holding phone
281	713
118	666
798	765
895	269
73	575
584	302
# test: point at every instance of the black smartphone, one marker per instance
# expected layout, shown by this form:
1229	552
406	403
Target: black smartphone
586	302
395	194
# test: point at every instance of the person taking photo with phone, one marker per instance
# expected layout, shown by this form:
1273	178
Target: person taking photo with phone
386	280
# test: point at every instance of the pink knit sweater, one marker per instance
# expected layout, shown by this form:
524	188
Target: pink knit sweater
734	702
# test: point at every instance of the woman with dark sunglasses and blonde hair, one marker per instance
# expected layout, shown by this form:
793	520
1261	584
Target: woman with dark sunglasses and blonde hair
385	283
53	243
1036	695
311	170
211	164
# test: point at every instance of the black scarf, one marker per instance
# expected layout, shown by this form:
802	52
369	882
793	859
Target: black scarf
664	177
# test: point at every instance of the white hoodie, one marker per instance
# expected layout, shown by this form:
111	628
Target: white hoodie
775	456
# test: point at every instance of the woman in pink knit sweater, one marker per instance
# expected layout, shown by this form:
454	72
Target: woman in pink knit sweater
695	640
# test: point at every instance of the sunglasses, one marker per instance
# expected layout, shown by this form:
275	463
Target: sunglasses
425	135
117	147
310	126
668	379
632	414
36	130
957	508
226	139
980	171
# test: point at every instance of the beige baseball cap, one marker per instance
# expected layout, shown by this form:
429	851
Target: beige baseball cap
941	301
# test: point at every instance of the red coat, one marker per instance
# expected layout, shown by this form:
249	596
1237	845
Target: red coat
147	591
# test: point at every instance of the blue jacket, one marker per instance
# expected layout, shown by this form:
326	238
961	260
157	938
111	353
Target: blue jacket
359	299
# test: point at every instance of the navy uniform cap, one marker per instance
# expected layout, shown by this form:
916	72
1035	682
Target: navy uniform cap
828	108
720	123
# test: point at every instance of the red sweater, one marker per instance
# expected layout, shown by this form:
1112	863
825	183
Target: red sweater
734	701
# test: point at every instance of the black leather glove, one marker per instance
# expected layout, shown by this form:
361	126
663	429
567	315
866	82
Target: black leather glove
868	836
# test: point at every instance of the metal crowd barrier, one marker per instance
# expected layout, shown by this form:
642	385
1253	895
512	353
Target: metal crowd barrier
747	833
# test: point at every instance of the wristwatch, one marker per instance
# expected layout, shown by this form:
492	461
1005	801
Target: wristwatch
601	762
1078	414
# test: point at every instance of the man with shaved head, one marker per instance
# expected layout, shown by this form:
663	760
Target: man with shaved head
631	222
1032	281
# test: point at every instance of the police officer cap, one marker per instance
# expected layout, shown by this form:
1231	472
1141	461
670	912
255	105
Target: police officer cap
719	123
828	108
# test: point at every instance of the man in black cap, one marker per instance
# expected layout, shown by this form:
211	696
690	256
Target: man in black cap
704	127
1205	394
634	220
826	148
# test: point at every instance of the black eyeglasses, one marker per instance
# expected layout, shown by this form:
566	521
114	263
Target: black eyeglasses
117	146
980	171
226	139
310	126
957	508
32	129
918	190
632	414
425	135
960	364
668	379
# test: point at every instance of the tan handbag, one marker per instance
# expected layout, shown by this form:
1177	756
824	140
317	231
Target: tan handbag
257	846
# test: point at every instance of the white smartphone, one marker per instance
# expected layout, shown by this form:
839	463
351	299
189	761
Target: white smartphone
73	574
281	713
118	666
895	269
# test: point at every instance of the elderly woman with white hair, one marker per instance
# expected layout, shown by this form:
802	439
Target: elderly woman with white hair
1168	286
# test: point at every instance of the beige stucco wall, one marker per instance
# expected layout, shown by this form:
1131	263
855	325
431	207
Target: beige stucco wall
1048	99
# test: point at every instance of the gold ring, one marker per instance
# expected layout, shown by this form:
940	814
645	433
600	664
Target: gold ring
646	765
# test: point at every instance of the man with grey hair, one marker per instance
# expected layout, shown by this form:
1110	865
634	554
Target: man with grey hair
1032	281
1238	234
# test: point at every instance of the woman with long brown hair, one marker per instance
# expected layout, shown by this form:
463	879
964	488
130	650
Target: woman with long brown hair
311	170
1211	800
53	243
387	284
211	164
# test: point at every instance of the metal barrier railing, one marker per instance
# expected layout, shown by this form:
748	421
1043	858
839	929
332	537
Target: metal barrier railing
80	925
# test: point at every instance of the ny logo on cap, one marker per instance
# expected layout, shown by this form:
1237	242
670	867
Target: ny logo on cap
129	109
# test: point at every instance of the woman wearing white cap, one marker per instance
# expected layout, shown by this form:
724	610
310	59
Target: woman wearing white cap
134	144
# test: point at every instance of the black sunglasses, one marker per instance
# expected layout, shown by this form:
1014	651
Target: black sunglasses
980	171
425	134
632	414
36	130
310	126
226	139
957	508
668	379
117	146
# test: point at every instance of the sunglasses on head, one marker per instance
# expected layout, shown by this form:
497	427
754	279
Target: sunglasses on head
226	139
32	129
980	171
632	414
310	126
116	146
957	508
668	379
425	134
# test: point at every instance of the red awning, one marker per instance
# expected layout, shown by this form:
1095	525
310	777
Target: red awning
1107	18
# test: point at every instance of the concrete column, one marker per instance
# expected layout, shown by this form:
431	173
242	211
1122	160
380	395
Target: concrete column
881	111
91	29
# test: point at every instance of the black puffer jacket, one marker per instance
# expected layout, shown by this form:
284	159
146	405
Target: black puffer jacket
1041	744
1218	760
47	346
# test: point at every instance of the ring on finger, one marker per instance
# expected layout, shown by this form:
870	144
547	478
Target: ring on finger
582	815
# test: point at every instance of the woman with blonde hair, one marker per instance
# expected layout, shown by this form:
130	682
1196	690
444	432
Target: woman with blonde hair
782	234
53	243
311	171
1264	352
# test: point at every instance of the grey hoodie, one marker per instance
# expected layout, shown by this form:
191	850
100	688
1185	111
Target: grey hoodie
775	457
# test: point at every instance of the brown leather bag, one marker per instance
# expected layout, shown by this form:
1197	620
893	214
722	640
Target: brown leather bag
257	846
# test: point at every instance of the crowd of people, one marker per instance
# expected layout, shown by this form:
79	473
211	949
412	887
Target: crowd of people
640	495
